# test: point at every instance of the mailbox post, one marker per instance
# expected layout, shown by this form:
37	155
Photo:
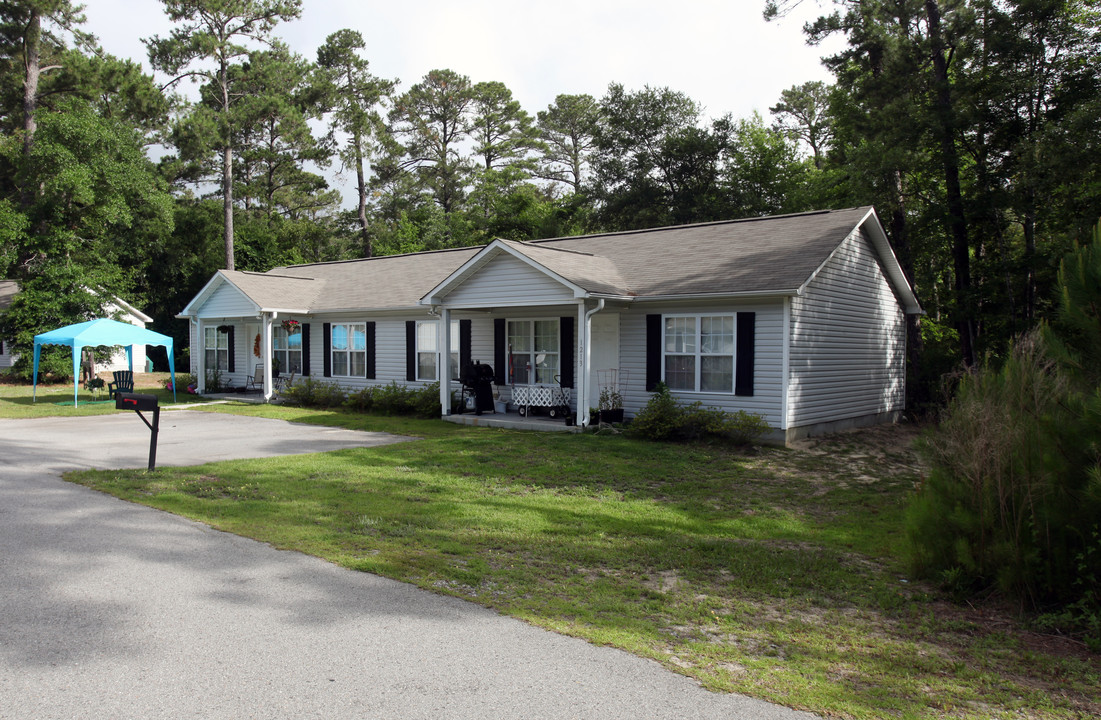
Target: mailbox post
138	402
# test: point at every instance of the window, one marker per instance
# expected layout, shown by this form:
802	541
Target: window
428	350
216	343
533	351
349	349
698	353
287	350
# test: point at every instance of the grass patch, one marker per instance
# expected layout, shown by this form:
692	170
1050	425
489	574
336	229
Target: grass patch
773	575
19	401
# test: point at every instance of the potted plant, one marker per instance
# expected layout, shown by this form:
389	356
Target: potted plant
291	326
275	367
611	405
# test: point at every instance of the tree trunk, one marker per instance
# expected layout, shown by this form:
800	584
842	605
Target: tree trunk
227	202
227	163
957	220
361	187
31	54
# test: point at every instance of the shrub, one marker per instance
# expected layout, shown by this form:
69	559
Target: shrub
362	400
395	399
308	392
1014	492
664	419
183	381
392	399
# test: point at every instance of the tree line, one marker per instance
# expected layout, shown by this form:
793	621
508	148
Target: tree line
970	125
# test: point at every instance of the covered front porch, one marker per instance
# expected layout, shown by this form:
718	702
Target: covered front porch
550	334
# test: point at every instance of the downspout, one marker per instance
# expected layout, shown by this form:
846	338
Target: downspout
586	363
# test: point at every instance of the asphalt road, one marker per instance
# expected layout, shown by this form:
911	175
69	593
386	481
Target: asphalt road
114	610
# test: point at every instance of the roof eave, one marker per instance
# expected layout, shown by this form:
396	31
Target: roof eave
718	295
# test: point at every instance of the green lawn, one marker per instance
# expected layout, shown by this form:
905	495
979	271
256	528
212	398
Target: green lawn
774	574
56	399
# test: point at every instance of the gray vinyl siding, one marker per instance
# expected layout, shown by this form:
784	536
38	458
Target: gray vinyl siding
505	281
848	341
227	301
6	358
767	364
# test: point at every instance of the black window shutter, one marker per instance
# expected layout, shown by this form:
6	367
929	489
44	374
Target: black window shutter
232	367
465	327
499	360
569	351
370	342
410	350
327	349
305	369
743	362
653	351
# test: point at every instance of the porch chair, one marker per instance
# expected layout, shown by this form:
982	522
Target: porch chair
256	382
124	382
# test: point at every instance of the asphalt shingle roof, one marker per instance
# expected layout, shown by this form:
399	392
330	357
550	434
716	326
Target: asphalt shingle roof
741	256
387	281
757	255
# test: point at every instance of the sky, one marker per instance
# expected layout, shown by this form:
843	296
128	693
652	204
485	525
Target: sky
720	53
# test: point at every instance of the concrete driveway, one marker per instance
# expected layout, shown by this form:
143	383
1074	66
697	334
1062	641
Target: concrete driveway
114	610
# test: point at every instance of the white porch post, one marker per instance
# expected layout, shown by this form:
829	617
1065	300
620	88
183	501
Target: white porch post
444	364
582	383
265	351
201	341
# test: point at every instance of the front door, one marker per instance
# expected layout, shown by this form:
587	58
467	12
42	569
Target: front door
254	347
604	361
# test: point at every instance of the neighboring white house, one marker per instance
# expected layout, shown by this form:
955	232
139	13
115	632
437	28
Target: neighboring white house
800	318
124	311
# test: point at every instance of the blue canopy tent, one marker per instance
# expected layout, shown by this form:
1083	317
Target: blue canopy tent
101	332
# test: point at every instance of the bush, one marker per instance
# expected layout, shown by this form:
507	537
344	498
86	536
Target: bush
993	511
1013	497
395	399
183	381
392	399
664	419
308	392
362	400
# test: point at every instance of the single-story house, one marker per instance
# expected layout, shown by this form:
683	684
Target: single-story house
117	307
800	318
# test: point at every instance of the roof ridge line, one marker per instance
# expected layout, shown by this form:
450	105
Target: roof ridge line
686	226
381	257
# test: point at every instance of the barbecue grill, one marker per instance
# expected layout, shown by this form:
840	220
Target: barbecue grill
477	381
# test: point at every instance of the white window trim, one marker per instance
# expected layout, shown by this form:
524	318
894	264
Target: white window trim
217	347
288	366
531	325
699	354
435	334
333	351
